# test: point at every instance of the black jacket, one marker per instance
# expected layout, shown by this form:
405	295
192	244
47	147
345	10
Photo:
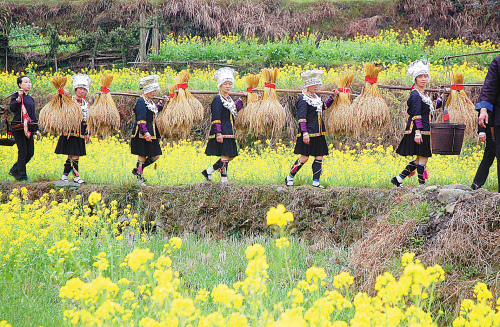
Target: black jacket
418	109
15	107
145	116
313	119
222	118
490	93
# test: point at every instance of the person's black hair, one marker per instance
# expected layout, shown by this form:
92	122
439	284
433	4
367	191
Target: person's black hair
20	80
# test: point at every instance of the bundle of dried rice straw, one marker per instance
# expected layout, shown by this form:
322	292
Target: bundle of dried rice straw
196	106
243	118
61	115
370	112
270	116
183	110
338	119
460	107
174	121
103	118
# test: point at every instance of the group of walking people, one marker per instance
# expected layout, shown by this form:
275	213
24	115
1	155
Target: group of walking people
310	141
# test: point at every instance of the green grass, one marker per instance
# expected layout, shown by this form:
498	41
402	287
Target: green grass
30	294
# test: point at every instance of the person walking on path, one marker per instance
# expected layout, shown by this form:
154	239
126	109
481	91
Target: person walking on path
311	136
73	144
221	141
145	140
417	136
24	127
488	106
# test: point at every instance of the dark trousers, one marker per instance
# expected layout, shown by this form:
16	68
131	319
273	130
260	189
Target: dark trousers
25	151
484	167
497	146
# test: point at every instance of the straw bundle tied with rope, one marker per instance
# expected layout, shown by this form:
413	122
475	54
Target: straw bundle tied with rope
243	118
103	117
460	107
61	115
339	118
270	117
183	110
371	113
174	121
196	106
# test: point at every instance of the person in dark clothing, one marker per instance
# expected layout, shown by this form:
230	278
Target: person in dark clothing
417	136
73	144
145	141
24	125
488	106
311	137
221	142
485	135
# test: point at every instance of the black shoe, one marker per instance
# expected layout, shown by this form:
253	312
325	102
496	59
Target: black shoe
206	175
395	181
13	175
475	187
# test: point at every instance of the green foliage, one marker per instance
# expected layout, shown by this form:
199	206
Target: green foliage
389	47
419	212
30	35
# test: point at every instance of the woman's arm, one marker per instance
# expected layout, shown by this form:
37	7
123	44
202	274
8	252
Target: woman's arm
489	91
216	109
416	109
15	103
140	116
302	115
239	104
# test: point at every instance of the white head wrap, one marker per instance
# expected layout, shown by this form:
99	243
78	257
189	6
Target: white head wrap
312	77
80	80
417	68
223	75
149	83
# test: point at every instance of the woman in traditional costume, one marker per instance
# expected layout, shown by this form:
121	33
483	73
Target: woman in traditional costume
417	136
145	140
311	136
73	144
221	141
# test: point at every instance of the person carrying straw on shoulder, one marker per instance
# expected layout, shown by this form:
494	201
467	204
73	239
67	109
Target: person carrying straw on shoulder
145	140
221	142
73	144
311	137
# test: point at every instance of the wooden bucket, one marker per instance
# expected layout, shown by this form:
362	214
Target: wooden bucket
447	138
